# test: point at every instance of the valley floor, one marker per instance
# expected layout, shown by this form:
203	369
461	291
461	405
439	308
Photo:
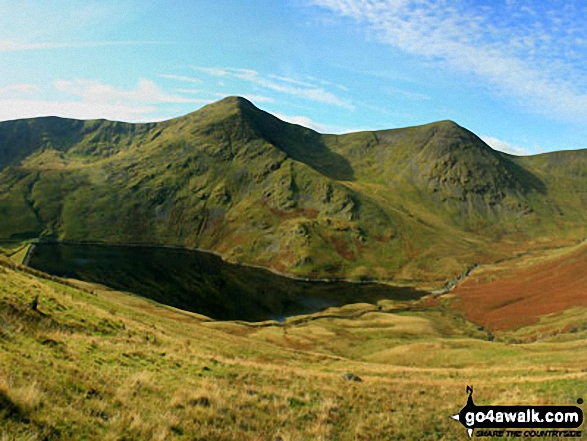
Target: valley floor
93	363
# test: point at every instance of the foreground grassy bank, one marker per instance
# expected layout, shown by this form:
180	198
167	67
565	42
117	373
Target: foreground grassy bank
92	363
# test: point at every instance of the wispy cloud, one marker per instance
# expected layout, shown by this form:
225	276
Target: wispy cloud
326	82
290	86
291	81
314	125
182	78
504	146
303	121
19	89
416	96
27	108
214	71
145	92
15	46
90	99
529	51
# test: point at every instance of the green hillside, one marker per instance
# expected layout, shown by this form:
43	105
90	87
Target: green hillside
417	205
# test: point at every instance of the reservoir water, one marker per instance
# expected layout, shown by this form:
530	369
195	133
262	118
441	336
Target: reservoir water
203	283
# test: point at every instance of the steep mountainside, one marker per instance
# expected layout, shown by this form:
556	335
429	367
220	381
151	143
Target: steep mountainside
415	204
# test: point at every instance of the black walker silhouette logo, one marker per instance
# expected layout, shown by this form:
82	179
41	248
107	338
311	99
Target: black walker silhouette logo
518	417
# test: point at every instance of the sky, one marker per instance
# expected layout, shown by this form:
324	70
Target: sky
513	72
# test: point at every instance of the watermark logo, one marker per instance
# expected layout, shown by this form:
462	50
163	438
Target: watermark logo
474	417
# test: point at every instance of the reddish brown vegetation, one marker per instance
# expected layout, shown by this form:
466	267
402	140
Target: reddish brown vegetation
310	213
429	302
341	248
510	298
278	266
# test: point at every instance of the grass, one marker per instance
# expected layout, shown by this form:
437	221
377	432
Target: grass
19	254
101	364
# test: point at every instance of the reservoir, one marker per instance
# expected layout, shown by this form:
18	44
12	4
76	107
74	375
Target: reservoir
203	283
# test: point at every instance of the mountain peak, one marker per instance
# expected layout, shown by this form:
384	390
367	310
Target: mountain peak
235	100
226	108
448	127
446	123
232	104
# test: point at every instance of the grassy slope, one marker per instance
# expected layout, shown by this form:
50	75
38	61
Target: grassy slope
99	364
416	205
517	292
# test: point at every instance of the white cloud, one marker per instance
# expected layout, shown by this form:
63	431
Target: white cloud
96	92
17	109
94	100
302	121
535	54
275	83
214	71
504	146
311	124
181	78
415	96
15	46
290	80
250	96
19	89
192	91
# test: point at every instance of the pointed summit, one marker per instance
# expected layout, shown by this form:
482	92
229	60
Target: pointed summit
232	111
229	106
233	103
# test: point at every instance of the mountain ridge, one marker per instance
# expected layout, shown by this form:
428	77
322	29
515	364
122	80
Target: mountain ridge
408	204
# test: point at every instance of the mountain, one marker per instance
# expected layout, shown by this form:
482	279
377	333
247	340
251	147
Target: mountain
418	204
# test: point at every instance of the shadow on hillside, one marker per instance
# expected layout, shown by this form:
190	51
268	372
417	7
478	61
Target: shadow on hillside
314	153
8	409
529	180
306	146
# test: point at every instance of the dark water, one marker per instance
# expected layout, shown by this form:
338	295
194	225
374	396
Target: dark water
203	283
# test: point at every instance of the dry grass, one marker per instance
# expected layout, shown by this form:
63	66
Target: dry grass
28	398
518	292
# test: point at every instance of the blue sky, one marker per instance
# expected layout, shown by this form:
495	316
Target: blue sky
513	72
